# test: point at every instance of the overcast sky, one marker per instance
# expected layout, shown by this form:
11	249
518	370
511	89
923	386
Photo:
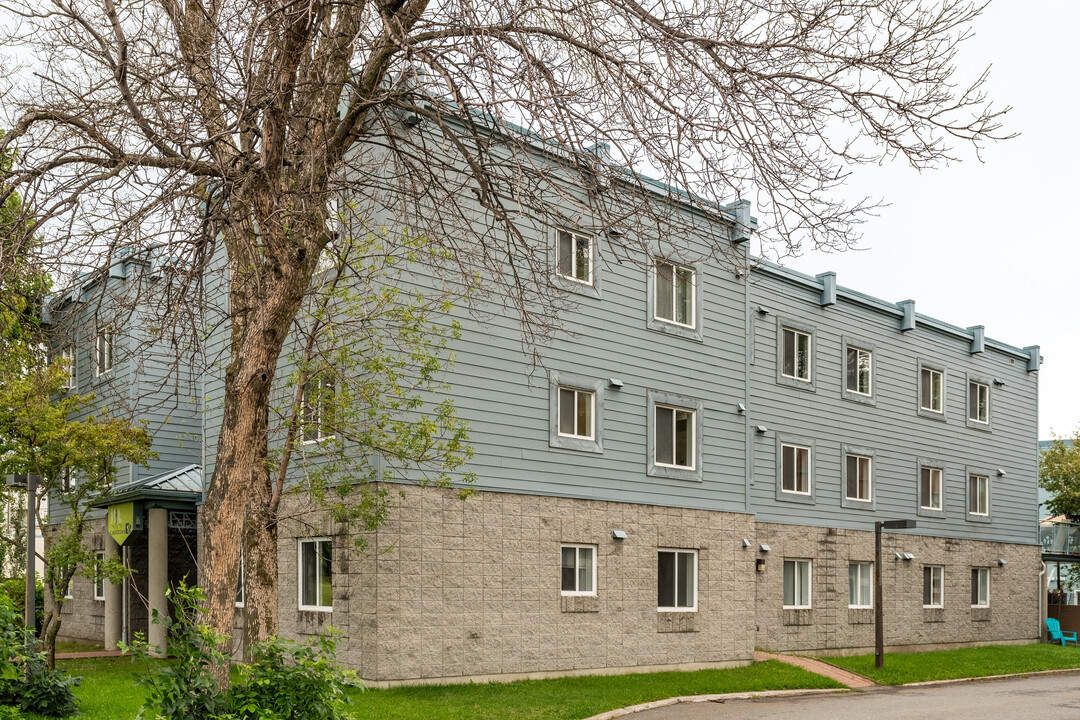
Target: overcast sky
993	243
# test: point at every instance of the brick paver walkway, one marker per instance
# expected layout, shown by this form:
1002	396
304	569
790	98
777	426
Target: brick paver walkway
816	666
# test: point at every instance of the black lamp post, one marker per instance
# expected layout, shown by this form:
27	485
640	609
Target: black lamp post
879	630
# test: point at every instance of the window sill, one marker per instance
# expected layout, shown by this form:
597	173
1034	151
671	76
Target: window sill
985	519
675	330
806	385
859	398
589	290
315	609
930	512
931	415
855	504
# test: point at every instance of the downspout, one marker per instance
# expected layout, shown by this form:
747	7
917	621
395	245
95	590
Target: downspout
1043	609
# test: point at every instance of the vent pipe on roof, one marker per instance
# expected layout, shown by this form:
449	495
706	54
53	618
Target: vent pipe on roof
741	231
978	340
908	321
1034	358
828	288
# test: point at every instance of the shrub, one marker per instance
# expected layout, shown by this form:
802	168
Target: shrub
26	681
290	681
14	590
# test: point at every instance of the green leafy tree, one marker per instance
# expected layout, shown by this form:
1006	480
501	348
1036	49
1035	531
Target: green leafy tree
1059	475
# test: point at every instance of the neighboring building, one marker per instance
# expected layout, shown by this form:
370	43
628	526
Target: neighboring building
12	523
733	439
1060	539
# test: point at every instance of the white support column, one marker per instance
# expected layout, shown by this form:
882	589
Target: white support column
113	599
158	560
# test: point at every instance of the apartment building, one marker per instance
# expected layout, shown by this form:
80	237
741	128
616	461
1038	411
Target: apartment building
694	472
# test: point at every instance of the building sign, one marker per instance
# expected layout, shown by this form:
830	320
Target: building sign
121	521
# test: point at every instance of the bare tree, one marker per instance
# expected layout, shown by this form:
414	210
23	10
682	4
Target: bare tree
235	124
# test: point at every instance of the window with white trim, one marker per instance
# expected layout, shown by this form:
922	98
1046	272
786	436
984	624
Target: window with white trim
930	489
978	495
103	348
69	572
316	412
795	469
99	575
859	364
979	402
796	354
860	585
933	590
316	575
932	390
577	408
980	587
67	354
675	286
578	569
797	578
674	440
573	257
858	478
676	580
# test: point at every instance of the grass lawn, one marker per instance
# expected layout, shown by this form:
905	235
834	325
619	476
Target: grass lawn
108	692
75	646
963	663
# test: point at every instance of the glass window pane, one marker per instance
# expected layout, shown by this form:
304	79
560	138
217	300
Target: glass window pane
803	479
927	583
865	584
974	586
584	414
803	582
664	291
308	574
787	460
924	488
568	570
585	569
803	359
565	253
665	579
924	384
935	399
852	476
789	582
853	584
852	369
683	438
973	401
326	574
566	411
789	353
984	403
684	296
865	360
582	259
864	478
664	440
685	579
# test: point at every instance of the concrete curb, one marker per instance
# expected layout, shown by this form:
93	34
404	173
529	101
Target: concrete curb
621	712
950	681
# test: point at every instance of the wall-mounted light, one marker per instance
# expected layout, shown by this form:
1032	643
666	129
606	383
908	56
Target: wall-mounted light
618	534
762	310
615	382
999	382
741	407
764	548
614	232
908	556
746	542
761	429
1001	562
760	565
1001	472
899	556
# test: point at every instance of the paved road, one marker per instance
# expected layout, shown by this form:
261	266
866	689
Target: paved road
1040	697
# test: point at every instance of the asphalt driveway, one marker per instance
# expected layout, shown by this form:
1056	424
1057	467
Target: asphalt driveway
1045	697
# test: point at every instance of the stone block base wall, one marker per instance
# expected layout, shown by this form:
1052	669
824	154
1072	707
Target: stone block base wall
456	589
830	627
83	617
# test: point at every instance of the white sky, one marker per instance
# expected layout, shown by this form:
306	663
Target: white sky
993	243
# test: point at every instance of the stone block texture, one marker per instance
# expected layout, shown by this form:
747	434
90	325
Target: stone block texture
830	627
451	589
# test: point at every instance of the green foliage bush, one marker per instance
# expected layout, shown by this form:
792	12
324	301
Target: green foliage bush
13	590
285	680
26	681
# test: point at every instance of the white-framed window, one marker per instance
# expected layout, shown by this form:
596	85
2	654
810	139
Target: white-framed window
577	409
67	354
316	575
930	493
797	579
859	364
676	580
578	569
978	495
240	582
317	409
933	587
859	469
103	348
861	585
796	354
69	572
795	469
979	402
674	441
99	575
932	390
675	286
980	587
574	257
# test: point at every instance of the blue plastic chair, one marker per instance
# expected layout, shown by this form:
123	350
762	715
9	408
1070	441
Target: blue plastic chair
1056	633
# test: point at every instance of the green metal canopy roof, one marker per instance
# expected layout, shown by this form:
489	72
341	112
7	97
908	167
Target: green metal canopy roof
181	485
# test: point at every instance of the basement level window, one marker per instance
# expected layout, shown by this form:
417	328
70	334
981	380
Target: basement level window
316	575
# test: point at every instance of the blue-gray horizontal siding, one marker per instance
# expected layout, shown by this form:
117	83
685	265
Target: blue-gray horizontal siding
892	427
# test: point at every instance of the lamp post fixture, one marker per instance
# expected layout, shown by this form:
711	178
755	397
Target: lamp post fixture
879	630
